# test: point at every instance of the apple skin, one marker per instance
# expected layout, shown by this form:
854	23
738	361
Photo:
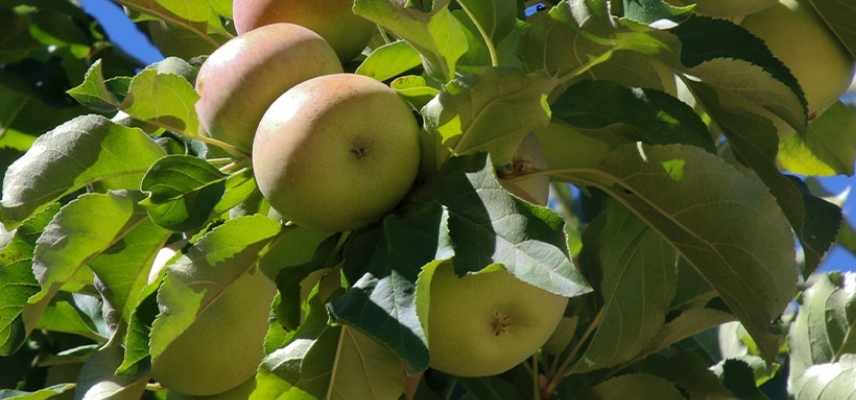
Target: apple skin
334	20
336	152
241	79
464	314
224	346
800	39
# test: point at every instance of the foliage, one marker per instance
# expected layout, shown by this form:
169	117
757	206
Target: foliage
689	254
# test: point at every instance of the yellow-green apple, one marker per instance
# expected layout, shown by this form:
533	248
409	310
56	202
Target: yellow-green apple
485	324
241	79
336	152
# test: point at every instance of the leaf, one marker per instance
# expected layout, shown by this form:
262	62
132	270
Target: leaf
198	17
838	16
645	115
638	386
490	388
183	191
381	303
161	96
435	33
197	278
492	111
303	369
98	379
689	323
828	147
65	314
414	89
715	217
825	327
738	377
650	11
123	269
41	394
17	284
489	226
80	231
753	139
827	381
364	369
741	68
638	274
689	372
82	151
389	61
93	92
553	42
495	19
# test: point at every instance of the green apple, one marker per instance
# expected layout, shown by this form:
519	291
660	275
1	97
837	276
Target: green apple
728	8
485	324
224	345
332	19
241	79
801	40
336	152
527	160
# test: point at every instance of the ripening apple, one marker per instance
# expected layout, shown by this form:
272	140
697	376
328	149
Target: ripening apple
336	152
801	40
224	345
241	79
334	20
487	323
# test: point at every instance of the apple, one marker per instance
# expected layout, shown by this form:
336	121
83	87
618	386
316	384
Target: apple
332	19
241	79
527	160
336	152
224	346
801	40
485	324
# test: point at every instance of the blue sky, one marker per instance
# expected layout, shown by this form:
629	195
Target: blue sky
126	35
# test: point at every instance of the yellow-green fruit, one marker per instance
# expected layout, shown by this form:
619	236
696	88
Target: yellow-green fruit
485	324
528	160
241	79
223	347
336	152
801	40
332	19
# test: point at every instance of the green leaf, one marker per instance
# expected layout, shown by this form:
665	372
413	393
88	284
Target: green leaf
415	90
123	269
435	34
839	16
389	61
636	70
382	301
492	111
82	151
240	186
301	370
741	68
17	284
42	394
93	91
491	388
489	226
162	95
689	323
364	369
689	372
649	11
827	381
645	115
199	17
636	386
80	231
825	327
714	216
197	278
828	147
65	314
755	142
553	42
739	378
637	270
495	19
183	192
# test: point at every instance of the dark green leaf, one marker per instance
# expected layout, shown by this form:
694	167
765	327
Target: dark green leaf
389	61
183	191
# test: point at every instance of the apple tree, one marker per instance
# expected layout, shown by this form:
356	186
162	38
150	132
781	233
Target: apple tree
447	199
